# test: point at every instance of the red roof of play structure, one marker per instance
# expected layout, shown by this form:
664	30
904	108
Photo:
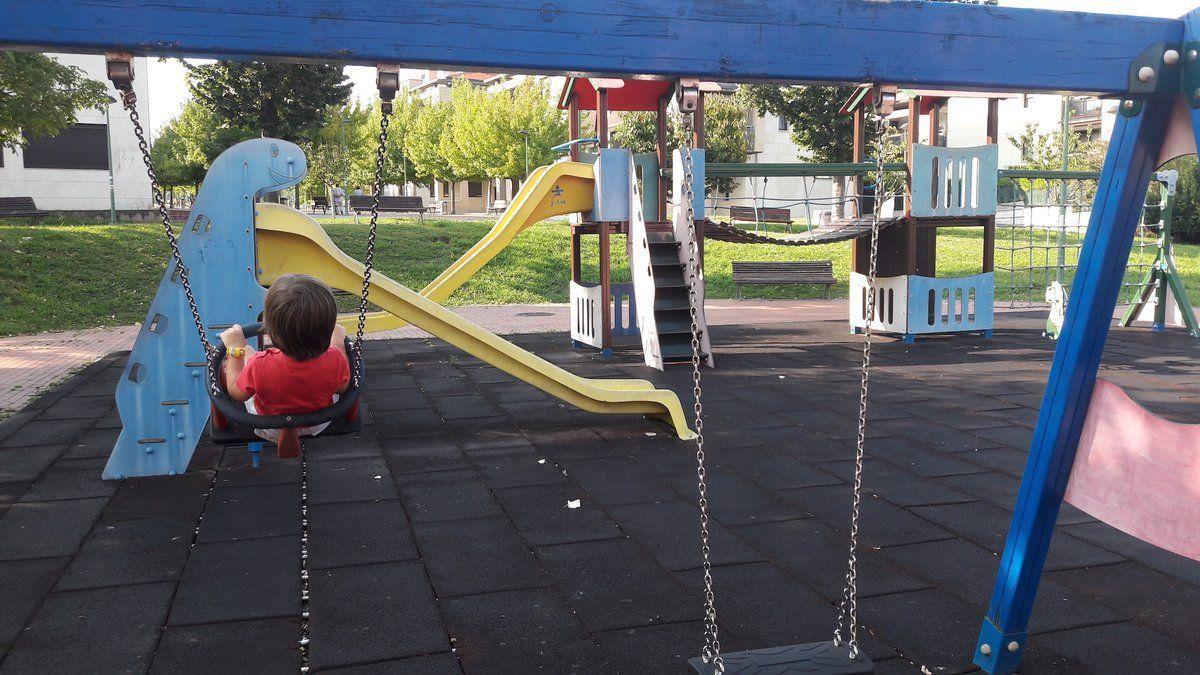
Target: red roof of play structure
631	95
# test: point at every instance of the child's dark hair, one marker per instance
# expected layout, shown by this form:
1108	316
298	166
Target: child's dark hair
299	314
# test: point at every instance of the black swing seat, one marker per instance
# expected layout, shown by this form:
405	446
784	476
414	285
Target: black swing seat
231	423
814	657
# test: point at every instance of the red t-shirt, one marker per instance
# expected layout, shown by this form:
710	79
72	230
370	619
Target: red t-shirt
282	385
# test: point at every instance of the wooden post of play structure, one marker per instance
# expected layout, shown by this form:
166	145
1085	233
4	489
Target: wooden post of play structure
858	154
602	116
573	126
989	228
664	157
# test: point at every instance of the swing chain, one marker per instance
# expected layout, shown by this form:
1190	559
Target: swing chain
387	80
712	642
848	607
120	71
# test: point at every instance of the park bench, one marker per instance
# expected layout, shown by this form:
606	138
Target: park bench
765	215
179	215
320	203
20	207
815	272
498	206
388	204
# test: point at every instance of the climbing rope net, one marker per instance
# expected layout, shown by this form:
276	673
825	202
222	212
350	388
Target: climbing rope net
1040	226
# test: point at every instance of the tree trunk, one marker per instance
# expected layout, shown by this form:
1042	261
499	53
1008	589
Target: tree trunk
839	191
453	196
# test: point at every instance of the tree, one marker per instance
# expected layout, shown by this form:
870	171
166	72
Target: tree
342	152
526	108
423	143
1044	151
172	162
41	96
280	100
464	144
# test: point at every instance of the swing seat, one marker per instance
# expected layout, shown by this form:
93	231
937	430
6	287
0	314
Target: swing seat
1138	472
231	423
814	657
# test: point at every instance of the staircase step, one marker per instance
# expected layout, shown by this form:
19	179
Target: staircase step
669	276
671	299
678	352
654	237
664	256
674	321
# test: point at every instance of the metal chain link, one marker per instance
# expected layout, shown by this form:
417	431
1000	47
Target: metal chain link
129	100
369	259
712	642
848	608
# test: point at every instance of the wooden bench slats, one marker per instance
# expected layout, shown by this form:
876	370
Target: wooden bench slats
816	272
21	207
749	214
393	203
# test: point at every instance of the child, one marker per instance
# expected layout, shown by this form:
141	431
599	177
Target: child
305	368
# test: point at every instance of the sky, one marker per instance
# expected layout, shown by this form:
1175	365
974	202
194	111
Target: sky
168	90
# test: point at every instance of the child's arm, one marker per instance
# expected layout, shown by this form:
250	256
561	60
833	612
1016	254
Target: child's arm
338	341
235	361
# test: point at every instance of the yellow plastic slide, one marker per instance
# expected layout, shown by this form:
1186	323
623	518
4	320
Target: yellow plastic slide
291	242
555	190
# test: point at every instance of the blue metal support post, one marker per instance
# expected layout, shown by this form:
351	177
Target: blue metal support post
1132	157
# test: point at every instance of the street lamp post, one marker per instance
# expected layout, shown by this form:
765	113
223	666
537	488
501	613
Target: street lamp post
525	133
112	186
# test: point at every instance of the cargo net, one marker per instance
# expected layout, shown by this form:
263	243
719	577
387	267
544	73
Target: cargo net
1040	226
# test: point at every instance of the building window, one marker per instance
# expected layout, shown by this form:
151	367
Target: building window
474	188
80	146
783	124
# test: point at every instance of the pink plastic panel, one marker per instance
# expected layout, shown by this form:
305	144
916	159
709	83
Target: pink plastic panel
1139	472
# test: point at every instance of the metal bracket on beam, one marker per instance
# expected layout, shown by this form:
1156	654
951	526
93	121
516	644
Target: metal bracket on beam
883	97
1131	107
119	66
387	79
687	94
1189	78
1156	70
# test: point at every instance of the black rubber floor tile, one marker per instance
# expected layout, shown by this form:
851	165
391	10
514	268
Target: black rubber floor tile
25	464
349	480
472	499
650	649
815	552
180	497
11	492
993	487
881	524
79	407
1005	460
105	630
130	552
617	480
75	483
1153	599
47	529
520	471
898	485
398	399
935	630
446	386
263	646
1118	648
512	392
1110	538
357	533
968	571
518	632
432	664
25	584
988	525
372	613
403	425
454	553
1015	437
415	455
544	515
735	500
776	470
251	512
237	469
920	459
670	532
237	580
615	584
93	443
390	380
465	406
48	432
484	442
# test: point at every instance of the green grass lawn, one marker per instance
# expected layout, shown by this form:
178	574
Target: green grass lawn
69	276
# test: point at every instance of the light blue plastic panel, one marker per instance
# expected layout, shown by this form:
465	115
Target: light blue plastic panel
162	395
698	188
950	305
954	181
647	166
611	195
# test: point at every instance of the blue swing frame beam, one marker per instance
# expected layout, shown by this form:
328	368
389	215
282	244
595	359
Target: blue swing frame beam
944	45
